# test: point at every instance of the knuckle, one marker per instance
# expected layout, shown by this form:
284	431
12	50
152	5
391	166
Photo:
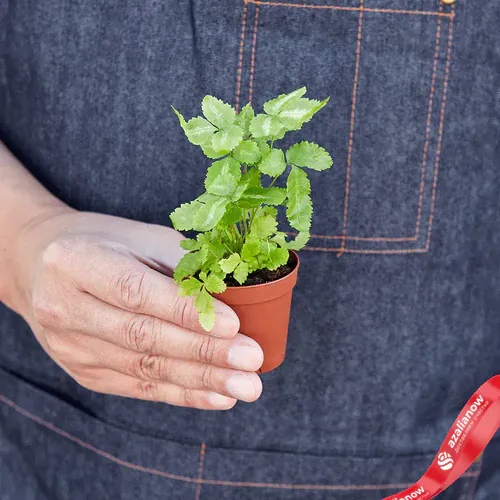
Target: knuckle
139	334
182	310
207	377
132	290
55	252
149	390
206	349
151	367
189	398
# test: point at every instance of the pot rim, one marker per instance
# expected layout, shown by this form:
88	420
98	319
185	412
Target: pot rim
262	285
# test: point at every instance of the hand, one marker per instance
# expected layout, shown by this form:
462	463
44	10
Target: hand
98	298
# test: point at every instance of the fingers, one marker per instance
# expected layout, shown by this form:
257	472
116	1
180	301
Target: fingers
119	279
95	353
148	334
109	382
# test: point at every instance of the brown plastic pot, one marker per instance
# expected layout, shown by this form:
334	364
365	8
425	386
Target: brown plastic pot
264	313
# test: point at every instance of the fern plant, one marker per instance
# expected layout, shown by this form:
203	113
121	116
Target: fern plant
236	215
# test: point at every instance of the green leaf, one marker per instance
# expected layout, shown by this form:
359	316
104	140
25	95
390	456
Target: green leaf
263	225
183	217
266	126
244	118
187	266
299	204
226	139
189	244
232	216
297	112
240	274
228	265
274	106
199	130
299	242
218	112
278	257
210	213
250	249
309	154
204	304
210	152
253	197
247	152
273	163
189	287
215	284
253	177
240	189
263	146
223	176
182	121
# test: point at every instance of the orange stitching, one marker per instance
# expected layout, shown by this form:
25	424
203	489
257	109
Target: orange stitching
240	61
254	43
200	472
356	250
356	238
340	7
351	129
440	137
428	127
186	479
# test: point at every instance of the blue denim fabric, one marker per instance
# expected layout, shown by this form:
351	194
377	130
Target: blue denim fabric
395	314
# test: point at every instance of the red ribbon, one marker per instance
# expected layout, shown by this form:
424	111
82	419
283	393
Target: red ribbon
468	437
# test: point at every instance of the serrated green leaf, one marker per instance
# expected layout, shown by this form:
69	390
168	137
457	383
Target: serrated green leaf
232	216
299	204
187	266
215	284
189	244
226	139
266	126
253	197
263	225
223	177
247	152
199	130
218	112
297	112
263	146
183	217
274	106
210	213
240	189
250	249
182	121
309	154
244	118
277	257
252	176
204	304
299	242
189	287
273	163
210	152
240	274
228	265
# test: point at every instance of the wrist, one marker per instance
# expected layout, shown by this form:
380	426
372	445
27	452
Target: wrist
28	238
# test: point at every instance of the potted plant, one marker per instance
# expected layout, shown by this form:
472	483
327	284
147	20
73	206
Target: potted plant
239	255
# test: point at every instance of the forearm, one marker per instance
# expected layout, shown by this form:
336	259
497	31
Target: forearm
23	202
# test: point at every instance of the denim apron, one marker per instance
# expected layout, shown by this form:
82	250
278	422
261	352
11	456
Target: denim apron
396	313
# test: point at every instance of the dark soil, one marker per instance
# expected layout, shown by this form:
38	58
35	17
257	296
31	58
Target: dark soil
265	275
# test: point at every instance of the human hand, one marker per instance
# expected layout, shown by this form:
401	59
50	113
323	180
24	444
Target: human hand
97	296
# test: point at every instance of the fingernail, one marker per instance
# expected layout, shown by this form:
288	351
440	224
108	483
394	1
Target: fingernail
241	387
245	357
219	401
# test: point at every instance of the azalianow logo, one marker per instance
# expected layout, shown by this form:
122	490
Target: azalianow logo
445	461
